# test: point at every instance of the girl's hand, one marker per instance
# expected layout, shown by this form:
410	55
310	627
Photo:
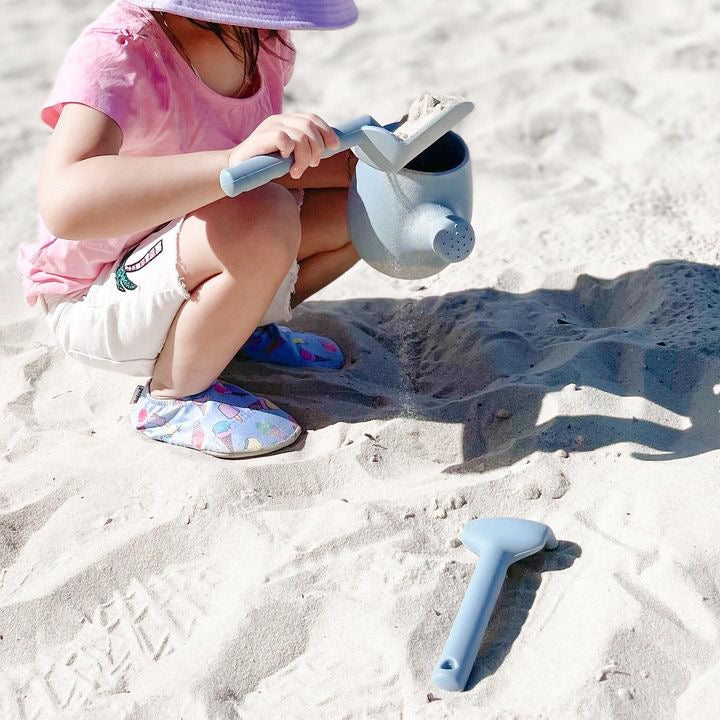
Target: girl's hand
304	135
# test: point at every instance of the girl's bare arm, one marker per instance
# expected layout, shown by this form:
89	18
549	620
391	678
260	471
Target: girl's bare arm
87	191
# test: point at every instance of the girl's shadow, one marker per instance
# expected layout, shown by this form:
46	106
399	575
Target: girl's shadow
652	335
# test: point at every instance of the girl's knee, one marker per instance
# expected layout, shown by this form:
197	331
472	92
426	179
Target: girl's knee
262	225
282	219
266	219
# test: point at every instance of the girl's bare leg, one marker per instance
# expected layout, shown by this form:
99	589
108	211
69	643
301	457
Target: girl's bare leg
325	248
233	255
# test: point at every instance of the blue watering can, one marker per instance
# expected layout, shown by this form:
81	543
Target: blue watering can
413	223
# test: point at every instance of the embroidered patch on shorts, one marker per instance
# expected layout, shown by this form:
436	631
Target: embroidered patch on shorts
122	280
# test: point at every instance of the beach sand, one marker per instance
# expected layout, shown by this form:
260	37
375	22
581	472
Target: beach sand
568	372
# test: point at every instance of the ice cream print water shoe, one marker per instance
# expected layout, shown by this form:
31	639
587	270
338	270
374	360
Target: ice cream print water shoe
283	346
224	420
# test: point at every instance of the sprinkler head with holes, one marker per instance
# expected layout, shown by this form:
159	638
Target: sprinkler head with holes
498	542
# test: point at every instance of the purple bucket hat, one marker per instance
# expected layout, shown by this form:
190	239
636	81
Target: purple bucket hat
269	14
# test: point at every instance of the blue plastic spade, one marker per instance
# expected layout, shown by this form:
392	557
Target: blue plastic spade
499	542
374	144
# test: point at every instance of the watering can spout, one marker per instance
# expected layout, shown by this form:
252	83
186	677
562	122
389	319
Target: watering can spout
434	229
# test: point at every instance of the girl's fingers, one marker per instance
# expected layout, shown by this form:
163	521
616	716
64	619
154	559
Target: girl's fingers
319	133
308	149
285	143
315	140
305	136
329	136
331	139
302	154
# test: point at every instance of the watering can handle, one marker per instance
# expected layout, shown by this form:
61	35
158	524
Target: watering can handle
257	171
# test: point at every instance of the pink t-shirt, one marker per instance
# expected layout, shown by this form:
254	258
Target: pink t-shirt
124	65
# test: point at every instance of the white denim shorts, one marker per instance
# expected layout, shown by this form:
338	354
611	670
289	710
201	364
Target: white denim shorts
121	321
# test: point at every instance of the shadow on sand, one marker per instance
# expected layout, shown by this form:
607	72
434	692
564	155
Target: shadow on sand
650	337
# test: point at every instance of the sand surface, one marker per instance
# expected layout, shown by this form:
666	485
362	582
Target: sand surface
567	372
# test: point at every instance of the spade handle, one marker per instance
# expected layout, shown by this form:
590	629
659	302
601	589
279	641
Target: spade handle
461	649
256	171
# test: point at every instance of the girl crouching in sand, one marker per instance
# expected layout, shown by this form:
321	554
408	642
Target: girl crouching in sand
142	265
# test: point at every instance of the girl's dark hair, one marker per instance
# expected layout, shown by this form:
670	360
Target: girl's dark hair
249	41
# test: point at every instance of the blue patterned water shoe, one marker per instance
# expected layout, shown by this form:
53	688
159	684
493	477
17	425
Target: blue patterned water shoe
224	420
282	346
